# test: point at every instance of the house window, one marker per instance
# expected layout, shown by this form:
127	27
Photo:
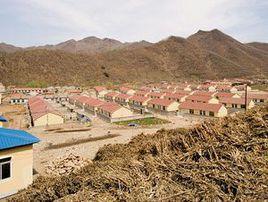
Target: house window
243	106
202	112
261	100
211	113
164	108
191	111
5	168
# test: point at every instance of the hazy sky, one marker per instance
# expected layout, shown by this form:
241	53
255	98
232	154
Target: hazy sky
36	22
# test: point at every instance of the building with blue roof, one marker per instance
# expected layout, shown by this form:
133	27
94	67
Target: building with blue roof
16	160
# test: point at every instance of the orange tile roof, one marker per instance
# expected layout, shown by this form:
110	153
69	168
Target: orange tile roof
233	100
99	88
203	93
123	96
110	107
162	102
223	94
139	98
198	98
200	106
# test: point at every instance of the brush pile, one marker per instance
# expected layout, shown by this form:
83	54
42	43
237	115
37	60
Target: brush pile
66	165
222	160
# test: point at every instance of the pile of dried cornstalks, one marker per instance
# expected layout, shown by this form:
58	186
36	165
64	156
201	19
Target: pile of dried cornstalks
222	160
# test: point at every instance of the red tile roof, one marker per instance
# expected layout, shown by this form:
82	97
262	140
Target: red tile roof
156	94
142	93
111	94
198	98
99	88
123	96
139	98
174	96
263	96
162	102
110	107
17	96
39	107
203	93
200	106
233	100
224	95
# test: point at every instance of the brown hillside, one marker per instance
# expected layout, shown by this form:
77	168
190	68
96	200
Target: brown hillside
204	55
7	48
223	160
225	46
261	46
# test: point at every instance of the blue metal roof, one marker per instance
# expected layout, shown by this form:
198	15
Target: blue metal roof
3	119
10	138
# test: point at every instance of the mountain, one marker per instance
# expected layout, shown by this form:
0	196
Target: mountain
227	47
261	46
90	45
204	55
8	48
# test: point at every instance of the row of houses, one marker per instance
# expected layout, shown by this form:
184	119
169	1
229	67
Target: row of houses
213	103
42	113
103	109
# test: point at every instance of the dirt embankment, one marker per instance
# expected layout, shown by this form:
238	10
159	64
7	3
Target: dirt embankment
224	160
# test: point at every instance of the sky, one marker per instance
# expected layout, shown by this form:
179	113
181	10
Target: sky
38	22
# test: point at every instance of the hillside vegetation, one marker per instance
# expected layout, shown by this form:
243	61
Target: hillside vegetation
204	55
222	160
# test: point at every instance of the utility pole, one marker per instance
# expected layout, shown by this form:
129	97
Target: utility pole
246	97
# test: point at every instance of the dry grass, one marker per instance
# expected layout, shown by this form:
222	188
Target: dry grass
80	141
223	160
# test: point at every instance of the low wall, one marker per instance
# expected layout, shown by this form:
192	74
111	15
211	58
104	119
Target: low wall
138	116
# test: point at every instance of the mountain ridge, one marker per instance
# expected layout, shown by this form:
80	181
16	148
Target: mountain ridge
203	55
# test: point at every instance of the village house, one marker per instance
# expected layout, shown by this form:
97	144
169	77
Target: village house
33	91
110	96
258	98
126	90
207	87
226	88
202	99
100	91
163	105
156	95
146	88
175	97
139	103
73	92
86	103
203	109
226	95
113	112
142	93
184	87
236	103
122	99
42	114
18	98
16	160
242	88
203	93
92	105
